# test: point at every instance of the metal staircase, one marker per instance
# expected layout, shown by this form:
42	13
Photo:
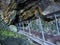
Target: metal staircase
31	34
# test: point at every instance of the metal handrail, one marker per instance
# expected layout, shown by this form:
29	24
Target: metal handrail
27	33
44	41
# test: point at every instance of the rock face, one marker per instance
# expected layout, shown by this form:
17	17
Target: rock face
3	25
14	41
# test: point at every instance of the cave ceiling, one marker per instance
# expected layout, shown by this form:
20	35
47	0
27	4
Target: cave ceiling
27	9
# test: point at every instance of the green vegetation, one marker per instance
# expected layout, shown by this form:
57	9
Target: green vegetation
13	37
10	33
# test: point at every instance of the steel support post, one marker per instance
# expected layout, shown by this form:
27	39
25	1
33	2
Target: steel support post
56	21
29	28
23	26
41	28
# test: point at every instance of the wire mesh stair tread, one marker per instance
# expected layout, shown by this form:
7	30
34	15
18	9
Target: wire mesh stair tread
34	38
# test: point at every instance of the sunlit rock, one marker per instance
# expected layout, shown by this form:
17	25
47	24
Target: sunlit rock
13	28
51	9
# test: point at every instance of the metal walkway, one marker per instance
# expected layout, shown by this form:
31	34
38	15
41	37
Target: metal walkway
39	37
35	36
